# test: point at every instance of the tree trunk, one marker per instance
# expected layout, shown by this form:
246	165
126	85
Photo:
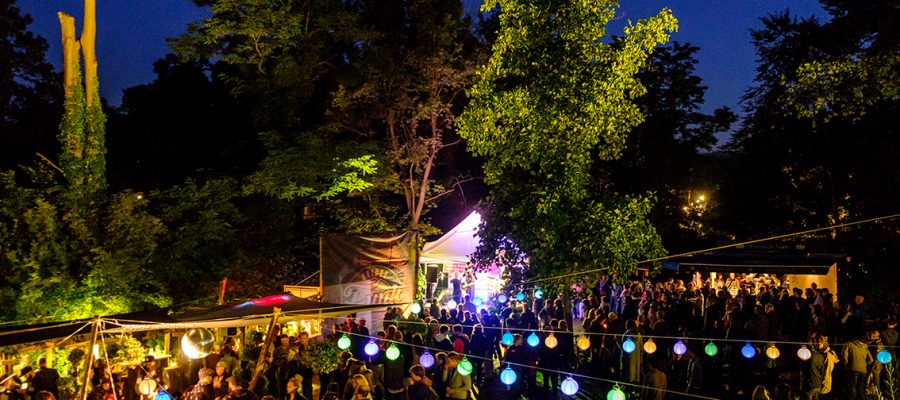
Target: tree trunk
69	53
88	40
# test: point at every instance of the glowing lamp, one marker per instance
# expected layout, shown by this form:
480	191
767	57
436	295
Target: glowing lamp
477	301
426	360
371	348
748	351
538	293
502	299
615	394
628	345
569	386
679	348
507	339
415	308
147	386
451	304
551	341
533	340
508	376
711	349
649	346
772	352
465	367
520	296
884	356
583	343
95	350
344	342
804	353
392	352
198	343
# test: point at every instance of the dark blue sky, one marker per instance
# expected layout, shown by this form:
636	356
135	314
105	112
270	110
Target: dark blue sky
132	35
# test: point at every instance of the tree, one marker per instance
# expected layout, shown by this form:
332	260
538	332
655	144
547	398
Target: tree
552	100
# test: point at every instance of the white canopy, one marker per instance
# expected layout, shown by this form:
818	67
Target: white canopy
456	246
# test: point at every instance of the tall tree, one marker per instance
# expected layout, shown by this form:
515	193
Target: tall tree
553	99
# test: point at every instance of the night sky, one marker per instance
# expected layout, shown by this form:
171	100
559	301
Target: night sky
131	35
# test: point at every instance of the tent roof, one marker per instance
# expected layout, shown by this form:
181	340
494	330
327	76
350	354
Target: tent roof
456	245
252	312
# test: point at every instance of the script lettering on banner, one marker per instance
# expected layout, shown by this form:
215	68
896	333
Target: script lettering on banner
368	270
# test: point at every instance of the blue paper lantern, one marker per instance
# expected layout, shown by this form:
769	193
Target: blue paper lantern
426	360
520	296
371	348
748	351
415	308
508	376
680	348
569	386
502	299
538	293
628	345
615	394
477	301
507	339
533	340
884	356
344	342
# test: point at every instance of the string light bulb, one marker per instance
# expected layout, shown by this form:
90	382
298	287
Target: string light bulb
520	296
415	308
451	304
392	352
507	339
748	351
711	349
538	293
772	352
371	348
804	353
344	342
508	376
533	340
465	367
615	394
679	348
649	346
884	356
628	345
426	360
502	299
551	341
583	343
569	386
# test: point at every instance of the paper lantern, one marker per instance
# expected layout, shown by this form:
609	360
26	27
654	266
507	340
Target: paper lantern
628	345
344	342
538	293
451	304
533	340
198	343
465	367
551	341
884	356
711	349
748	351
649	346
772	352
502	299
426	360
147	386
804	353
415	308
615	394
371	348
392	352
477	301
507	339
679	348
520	296
583	343
508	376
569	386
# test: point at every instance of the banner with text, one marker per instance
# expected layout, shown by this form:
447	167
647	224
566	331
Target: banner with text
368	270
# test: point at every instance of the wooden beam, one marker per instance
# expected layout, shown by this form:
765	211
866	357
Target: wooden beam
270	333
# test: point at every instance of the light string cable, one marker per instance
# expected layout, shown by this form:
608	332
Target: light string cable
567	373
727	246
399	322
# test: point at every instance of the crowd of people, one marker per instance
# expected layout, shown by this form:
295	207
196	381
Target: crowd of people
843	340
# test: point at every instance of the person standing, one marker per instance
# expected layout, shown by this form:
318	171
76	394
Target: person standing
821	365
236	390
419	387
857	359
203	390
45	379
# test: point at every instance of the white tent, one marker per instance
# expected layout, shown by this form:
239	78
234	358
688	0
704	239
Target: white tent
455	246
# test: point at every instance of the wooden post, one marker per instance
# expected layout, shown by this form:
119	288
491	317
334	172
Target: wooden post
222	291
89	361
88	40
270	333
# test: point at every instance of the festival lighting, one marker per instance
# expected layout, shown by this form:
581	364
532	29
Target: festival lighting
392	352
551	341
583	343
748	351
538	293
508	376
628	345
198	343
502	299
711	349
772	352
569	386
371	348
344	342
465	367
804	353
615	394
147	386
520	296
451	304
533	340
884	356
507	339
426	360
415	308
679	348
649	346
477	301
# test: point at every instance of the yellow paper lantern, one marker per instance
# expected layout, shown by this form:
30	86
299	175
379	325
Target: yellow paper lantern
147	386
584	343
649	346
551	341
772	352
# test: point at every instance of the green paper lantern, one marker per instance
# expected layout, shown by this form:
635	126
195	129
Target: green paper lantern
392	352
465	367
344	342
711	349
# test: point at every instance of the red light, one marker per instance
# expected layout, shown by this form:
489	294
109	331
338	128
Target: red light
271	300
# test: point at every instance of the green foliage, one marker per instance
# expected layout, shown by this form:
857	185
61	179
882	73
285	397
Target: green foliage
322	357
553	99
123	350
